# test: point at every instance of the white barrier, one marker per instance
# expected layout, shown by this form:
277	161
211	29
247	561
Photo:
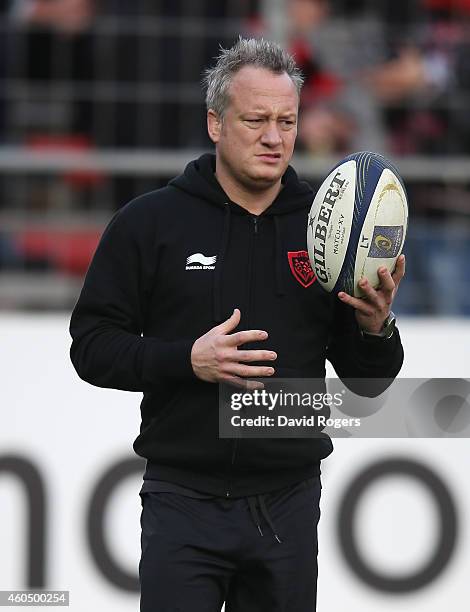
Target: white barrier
72	434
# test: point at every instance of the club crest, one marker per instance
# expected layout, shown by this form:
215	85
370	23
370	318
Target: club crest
300	266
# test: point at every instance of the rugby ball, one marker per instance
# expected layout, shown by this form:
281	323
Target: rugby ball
357	223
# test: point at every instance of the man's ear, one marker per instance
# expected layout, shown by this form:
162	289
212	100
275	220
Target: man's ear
214	125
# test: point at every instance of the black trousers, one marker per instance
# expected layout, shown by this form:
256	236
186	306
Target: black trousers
199	553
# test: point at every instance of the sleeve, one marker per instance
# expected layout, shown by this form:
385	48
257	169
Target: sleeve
376	362
108	349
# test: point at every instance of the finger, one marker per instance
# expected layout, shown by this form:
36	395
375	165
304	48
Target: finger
370	294
251	385
357	303
387	284
246	371
243	383
400	269
230	324
242	337
248	356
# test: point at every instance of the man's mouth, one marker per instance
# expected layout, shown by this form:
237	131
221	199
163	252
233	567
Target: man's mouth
269	156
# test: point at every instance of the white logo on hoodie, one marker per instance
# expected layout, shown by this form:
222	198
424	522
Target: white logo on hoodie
198	261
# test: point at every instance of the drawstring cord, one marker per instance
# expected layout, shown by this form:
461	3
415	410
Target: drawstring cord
252	503
217	287
254	513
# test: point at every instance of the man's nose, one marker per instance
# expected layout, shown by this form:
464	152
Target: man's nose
271	135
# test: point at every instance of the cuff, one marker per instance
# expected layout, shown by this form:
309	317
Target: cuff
167	359
376	349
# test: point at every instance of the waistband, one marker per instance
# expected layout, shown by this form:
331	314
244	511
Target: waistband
248	485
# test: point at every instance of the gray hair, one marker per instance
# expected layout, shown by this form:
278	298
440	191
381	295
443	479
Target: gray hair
246	52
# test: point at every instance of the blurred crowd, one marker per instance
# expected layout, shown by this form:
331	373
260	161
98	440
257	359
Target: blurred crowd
380	75
388	75
385	75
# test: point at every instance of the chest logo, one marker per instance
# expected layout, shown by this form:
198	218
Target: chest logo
300	267
198	261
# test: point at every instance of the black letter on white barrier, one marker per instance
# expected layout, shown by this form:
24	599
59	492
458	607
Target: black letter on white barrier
445	541
96	520
28	474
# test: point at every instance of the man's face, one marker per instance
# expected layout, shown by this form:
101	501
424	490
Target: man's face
255	140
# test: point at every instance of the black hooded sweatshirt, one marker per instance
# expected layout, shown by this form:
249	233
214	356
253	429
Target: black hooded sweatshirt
171	265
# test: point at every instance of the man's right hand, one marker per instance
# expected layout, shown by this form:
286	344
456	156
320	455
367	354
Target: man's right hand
216	356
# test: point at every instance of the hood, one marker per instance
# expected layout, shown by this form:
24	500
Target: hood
198	179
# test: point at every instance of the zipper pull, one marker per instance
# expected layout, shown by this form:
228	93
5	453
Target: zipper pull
255	221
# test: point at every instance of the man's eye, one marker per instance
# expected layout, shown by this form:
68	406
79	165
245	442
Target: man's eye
253	120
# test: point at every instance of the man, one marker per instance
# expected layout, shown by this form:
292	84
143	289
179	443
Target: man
190	286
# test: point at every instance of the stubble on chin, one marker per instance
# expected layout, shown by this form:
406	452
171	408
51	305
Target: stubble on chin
260	182
266	179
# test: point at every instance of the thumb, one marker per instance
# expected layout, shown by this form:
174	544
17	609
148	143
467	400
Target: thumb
231	323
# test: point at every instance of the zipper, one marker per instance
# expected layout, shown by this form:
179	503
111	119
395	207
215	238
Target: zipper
250	284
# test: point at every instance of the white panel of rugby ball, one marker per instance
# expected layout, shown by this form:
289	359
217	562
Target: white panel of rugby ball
357	223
